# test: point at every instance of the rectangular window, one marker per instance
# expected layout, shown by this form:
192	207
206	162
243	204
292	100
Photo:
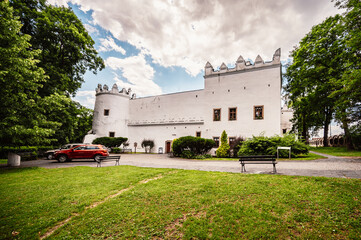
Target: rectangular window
216	141
232	115
106	112
231	140
258	112
284	131
198	134
217	114
111	134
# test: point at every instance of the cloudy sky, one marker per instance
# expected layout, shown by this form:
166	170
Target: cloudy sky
160	46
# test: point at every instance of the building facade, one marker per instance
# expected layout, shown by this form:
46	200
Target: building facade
244	101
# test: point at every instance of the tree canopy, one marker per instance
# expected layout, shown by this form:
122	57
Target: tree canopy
44	53
324	77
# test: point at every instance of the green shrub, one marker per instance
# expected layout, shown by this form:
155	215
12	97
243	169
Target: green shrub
147	144
261	145
356	136
116	150
189	146
235	146
223	150
110	141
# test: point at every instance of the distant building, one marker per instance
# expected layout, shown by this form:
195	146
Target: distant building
243	101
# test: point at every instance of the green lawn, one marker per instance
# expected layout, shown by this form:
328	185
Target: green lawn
3	161
308	157
181	204
337	151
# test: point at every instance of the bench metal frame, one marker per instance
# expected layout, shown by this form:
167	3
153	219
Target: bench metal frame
108	158
258	159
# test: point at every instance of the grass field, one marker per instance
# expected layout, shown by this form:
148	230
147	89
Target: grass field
337	151
3	161
175	204
308	157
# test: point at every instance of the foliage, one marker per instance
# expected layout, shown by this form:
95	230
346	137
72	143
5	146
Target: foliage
325	76
208	205
148	145
110	142
261	145
21	121
190	147
116	150
26	152
67	49
223	150
356	136
75	121
236	145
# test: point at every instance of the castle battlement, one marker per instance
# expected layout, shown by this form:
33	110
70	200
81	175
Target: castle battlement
115	90
242	65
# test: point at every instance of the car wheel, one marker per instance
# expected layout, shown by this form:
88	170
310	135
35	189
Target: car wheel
96	157
62	158
50	156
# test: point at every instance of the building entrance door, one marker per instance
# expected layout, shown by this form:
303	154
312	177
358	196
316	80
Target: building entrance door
168	145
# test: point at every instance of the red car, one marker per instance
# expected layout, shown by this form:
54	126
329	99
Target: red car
81	151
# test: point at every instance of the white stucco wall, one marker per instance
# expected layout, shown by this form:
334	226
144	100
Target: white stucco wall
166	117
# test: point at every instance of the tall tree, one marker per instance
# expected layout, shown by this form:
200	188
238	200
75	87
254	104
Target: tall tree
67	49
316	63
21	122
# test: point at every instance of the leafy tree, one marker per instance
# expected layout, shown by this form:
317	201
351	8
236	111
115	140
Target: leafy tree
67	49
148	145
317	61
74	120
223	150
21	121
190	146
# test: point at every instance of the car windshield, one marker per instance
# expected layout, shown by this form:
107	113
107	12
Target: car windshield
67	146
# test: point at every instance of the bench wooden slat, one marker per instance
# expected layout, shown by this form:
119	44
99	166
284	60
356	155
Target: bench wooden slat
108	158
258	159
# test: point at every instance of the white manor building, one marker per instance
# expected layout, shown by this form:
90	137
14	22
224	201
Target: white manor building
243	101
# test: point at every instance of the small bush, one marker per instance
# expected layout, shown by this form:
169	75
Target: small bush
235	146
189	146
356	136
110	141
223	150
116	150
261	145
148	145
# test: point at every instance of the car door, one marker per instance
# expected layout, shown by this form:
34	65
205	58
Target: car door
79	152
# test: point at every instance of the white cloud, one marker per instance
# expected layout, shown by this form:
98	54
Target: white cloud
137	73
91	29
85	98
108	44
190	33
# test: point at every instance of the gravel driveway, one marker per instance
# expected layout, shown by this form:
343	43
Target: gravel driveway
341	167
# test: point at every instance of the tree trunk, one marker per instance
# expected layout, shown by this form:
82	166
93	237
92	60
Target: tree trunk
348	138
328	116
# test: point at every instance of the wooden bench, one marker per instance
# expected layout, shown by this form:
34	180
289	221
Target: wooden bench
258	159
108	158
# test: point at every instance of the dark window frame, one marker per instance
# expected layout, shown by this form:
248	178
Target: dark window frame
216	145
200	134
214	114
234	118
256	116
111	134
106	112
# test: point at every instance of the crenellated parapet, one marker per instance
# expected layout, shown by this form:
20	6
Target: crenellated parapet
241	64
114	90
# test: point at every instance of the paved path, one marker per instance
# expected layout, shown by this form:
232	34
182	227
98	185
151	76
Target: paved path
332	167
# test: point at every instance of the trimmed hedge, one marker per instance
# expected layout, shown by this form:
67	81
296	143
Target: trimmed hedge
190	147
26	152
110	141
261	145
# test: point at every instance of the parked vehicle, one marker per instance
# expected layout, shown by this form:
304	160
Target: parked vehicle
81	151
50	153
